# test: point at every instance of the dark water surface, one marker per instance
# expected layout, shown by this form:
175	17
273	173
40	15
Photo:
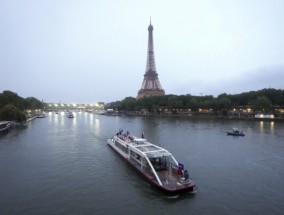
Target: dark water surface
58	165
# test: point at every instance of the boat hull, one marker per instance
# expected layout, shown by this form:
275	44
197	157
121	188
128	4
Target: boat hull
235	134
189	188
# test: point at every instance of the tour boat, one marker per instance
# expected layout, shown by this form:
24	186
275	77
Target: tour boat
157	165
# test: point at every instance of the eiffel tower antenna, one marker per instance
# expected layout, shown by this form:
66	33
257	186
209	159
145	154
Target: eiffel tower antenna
151	85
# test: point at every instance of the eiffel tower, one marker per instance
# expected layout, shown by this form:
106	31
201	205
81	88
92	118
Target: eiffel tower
151	85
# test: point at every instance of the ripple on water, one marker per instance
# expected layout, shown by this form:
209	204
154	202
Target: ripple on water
62	166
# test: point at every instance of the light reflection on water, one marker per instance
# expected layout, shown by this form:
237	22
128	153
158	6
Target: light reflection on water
97	125
266	127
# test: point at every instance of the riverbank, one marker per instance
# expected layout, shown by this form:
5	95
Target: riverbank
7	126
204	116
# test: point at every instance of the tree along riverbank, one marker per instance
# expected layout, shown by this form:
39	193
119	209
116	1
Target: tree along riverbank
16	108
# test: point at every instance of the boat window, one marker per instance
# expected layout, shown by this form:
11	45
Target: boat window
121	147
160	163
139	141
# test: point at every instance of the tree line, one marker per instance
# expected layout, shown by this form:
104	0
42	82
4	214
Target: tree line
12	106
265	100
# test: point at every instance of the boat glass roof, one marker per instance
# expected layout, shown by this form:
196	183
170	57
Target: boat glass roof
152	151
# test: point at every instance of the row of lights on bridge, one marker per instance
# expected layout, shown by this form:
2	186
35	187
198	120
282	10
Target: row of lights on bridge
75	105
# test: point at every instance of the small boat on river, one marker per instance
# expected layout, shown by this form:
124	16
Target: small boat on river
41	115
235	132
5	126
70	115
157	165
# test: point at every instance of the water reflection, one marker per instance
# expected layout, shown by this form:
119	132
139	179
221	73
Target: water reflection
261	126
56	119
267	127
97	126
91	119
272	126
74	120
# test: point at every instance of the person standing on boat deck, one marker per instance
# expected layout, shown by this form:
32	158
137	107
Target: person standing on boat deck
142	136
185	175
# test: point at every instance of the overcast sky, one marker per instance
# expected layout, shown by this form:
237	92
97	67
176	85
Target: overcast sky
85	51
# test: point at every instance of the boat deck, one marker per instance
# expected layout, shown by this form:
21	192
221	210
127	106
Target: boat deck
169	177
172	180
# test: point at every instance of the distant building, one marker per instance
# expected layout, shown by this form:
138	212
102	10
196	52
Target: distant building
151	85
264	116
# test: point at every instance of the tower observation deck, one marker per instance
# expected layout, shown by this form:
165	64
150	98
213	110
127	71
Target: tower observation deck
151	85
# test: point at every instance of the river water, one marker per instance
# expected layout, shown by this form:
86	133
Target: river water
58	165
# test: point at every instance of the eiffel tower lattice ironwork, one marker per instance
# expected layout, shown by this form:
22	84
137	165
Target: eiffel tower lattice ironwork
151	85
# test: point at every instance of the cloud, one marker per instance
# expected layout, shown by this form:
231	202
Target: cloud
253	80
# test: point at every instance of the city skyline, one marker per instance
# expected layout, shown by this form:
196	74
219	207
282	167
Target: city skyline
94	51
